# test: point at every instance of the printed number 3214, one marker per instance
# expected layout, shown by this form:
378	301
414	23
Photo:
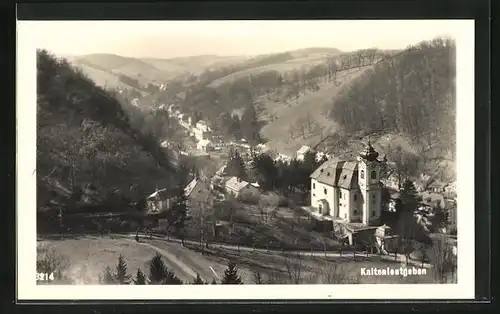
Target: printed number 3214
44	276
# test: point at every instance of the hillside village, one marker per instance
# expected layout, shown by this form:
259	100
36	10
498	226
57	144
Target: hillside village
232	186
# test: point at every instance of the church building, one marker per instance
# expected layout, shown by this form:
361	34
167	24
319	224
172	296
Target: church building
349	190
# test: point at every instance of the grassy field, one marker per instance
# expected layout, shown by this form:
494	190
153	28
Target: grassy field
278	268
88	256
93	254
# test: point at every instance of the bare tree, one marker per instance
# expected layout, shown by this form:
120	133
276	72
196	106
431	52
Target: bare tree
268	204
309	122
336	273
443	260
294	271
257	277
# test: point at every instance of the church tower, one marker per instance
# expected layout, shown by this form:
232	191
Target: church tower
369	184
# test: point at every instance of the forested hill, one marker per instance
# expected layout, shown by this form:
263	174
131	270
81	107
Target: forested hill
85	141
412	93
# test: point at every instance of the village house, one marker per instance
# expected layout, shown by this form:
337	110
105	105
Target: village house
387	240
217	181
282	158
171	109
236	187
201	130
301	153
204	145
184	121
262	148
349	190
161	200
436	187
320	156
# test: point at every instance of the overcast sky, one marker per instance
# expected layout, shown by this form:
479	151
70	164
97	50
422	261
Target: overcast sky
167	39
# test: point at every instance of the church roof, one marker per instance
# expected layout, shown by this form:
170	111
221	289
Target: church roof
343	174
348	178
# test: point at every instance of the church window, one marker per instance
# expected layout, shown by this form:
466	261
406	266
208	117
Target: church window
340	195
373	213
374	174
355	212
355	196
314	185
362	174
324	191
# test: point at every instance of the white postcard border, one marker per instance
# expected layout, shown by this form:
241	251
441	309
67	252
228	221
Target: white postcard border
26	206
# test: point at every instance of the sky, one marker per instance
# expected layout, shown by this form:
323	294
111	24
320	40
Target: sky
169	39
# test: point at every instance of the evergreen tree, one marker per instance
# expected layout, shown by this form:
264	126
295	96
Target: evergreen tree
440	217
140	278
231	276
121	272
171	279
198	280
108	277
159	273
236	165
250	125
235	127
409	198
267	172
157	270
214	282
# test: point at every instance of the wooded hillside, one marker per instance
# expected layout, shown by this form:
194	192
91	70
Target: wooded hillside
412	93
85	139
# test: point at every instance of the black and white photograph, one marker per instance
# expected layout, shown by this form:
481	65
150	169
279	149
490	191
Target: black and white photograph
286	154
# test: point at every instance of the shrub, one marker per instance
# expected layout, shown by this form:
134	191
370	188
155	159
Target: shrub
50	261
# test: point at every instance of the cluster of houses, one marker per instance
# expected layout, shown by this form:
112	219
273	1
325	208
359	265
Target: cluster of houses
200	130
232	186
299	155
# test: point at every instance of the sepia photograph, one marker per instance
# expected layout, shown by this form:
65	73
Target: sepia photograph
277	153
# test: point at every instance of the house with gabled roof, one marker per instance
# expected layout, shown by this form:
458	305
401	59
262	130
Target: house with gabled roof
301	153
161	200
236	187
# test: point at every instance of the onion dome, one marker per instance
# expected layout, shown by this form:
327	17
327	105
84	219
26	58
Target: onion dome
369	153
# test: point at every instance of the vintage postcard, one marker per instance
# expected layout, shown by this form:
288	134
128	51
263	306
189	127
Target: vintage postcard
295	159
